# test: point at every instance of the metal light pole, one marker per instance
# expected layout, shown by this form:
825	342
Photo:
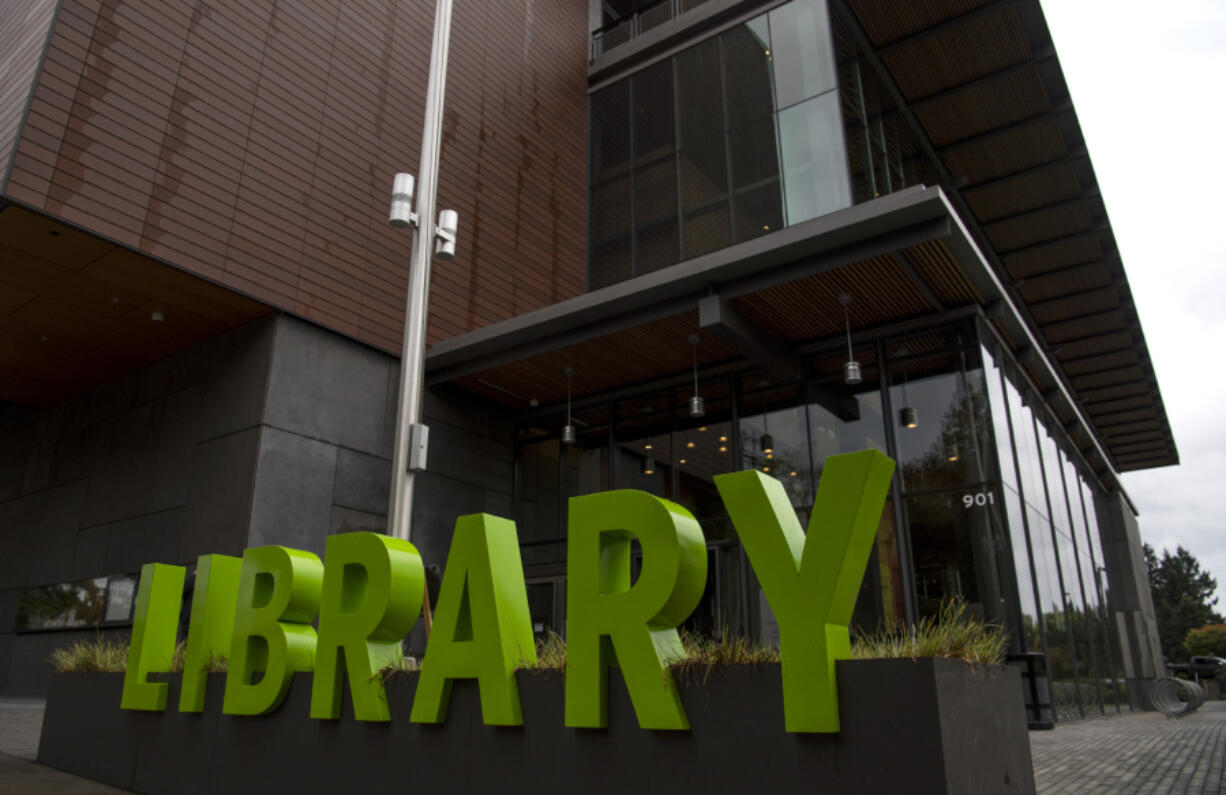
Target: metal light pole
409	456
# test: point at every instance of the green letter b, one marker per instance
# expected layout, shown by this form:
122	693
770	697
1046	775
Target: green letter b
278	597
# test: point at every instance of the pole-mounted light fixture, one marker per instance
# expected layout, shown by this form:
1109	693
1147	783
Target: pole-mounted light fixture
698	407
412	435
568	430
851	370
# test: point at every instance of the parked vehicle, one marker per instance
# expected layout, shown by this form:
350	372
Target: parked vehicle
1196	668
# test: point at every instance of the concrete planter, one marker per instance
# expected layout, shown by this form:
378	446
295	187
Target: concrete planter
925	725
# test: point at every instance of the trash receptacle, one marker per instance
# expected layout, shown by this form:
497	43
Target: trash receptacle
1036	688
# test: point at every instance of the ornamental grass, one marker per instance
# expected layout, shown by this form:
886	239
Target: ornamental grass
101	655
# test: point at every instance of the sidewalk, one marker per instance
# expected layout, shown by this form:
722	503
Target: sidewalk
1138	753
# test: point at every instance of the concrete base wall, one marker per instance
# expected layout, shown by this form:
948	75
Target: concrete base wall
930	726
278	432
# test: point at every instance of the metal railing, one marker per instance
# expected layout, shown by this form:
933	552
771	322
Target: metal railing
624	30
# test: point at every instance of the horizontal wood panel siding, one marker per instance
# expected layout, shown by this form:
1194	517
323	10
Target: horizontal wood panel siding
24	25
254	144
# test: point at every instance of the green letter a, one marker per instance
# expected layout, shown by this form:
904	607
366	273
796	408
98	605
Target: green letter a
482	629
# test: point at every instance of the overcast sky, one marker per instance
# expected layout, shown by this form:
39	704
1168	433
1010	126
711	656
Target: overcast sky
1148	82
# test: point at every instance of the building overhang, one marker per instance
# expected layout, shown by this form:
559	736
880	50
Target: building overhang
904	257
78	311
1000	126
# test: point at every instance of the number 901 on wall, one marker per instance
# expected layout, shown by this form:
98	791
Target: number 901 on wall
978	500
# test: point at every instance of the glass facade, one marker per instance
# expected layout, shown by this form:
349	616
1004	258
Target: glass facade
986	506
765	124
734	137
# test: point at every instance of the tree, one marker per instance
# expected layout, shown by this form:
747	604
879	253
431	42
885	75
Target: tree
1183	597
1209	641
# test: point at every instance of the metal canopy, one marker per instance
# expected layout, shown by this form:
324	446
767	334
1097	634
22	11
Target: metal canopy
980	82
783	288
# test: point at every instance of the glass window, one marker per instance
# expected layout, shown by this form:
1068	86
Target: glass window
802	51
1053	465
1028	637
774	439
610	119
120	597
814	163
748	87
940	405
847	419
65	605
754	155
704	448
653	113
539	507
952	560
1027	450
703	157
643	452
994	383
686	154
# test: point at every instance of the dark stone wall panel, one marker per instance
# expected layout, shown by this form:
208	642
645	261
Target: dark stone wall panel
17	429
234	397
56	536
362	482
325	387
292	500
219	505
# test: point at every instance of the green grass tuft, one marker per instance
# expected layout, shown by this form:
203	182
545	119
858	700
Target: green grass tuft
953	633
107	656
550	653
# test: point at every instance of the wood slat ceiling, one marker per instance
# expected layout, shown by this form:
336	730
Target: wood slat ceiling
798	311
86	305
984	86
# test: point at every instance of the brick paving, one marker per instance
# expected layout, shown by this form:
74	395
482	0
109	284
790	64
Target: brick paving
1139	753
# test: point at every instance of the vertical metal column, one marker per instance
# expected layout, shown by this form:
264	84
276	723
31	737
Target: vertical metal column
413	356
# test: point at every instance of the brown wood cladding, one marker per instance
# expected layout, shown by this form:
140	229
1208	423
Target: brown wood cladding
24	25
254	144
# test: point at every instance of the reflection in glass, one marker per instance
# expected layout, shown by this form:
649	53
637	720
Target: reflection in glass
814	163
802	52
65	605
686	154
947	447
120	597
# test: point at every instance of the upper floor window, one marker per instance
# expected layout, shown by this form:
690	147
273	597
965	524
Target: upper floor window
737	136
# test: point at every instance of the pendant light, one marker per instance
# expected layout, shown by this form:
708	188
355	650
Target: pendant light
851	370
698	407
908	417
568	430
